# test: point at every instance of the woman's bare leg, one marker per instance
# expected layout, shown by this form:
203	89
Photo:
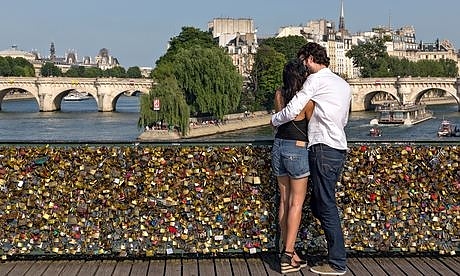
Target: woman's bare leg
297	193
284	187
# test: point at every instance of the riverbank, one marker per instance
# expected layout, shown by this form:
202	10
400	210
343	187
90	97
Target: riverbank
255	120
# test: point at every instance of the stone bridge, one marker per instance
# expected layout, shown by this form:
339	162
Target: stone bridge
49	92
404	90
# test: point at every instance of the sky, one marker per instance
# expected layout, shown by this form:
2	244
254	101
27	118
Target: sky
137	32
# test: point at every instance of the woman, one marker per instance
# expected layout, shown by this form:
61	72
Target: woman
290	164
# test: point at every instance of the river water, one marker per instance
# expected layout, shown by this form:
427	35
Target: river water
20	120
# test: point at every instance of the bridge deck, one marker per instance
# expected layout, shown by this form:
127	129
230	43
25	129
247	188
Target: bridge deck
255	265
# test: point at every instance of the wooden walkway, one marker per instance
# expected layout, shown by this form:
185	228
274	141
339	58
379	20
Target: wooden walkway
253	265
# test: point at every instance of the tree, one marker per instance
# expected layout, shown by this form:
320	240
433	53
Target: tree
188	37
18	71
450	67
75	72
49	69
373	60
401	67
166	69
210	81
267	75
18	67
134	72
439	68
368	56
288	45
116	72
93	72
5	69
27	69
205	73
173	109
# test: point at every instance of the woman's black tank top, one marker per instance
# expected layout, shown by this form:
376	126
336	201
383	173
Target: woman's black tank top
293	130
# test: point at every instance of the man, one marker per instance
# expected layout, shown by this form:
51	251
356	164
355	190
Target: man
327	146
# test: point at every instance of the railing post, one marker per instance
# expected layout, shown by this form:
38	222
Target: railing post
457	84
398	90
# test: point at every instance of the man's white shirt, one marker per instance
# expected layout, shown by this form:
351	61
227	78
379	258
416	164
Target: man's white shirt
332	97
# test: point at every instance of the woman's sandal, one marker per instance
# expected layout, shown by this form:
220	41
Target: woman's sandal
301	261
286	263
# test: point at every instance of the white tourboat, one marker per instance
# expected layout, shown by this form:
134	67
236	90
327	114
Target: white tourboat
77	96
407	114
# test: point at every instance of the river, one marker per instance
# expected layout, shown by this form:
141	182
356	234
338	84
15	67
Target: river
20	120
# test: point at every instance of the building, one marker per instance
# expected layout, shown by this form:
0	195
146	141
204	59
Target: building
103	60
31	57
402	43
238	37
314	30
336	41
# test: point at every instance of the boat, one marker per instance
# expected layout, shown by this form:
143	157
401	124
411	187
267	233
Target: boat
77	96
375	131
406	114
446	128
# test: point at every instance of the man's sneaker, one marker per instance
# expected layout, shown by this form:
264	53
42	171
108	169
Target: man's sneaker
286	264
326	269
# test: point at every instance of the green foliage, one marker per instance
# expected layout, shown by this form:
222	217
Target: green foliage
288	45
49	69
134	72
267	76
116	72
173	109
431	68
209	80
450	67
205	73
373	60
188	37
368	56
5	69
75	72
194	75
93	72
16	67
166	69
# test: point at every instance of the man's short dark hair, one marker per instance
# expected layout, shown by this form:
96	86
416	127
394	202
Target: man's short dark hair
315	50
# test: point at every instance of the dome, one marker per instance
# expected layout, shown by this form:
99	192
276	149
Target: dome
14	53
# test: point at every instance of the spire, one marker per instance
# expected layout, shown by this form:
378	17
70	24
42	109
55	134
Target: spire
52	52
342	18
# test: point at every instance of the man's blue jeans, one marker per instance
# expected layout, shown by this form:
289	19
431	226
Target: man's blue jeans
326	165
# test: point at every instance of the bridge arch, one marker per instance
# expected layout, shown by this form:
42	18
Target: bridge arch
5	90
404	90
58	96
417	96
369	96
50	91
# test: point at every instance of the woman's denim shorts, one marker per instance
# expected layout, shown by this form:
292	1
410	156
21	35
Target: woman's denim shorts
290	157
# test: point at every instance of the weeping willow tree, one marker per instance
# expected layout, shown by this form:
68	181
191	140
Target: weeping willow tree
195	77
172	106
210	81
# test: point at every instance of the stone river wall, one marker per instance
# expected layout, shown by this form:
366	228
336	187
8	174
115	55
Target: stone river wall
237	122
144	200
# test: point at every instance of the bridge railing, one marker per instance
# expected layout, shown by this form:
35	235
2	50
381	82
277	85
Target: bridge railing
141	200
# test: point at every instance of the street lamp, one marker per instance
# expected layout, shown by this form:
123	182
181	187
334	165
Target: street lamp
398	89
